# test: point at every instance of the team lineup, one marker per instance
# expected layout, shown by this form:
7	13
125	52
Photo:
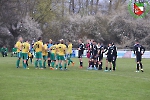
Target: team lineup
58	55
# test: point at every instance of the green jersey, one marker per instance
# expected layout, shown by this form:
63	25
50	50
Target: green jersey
14	49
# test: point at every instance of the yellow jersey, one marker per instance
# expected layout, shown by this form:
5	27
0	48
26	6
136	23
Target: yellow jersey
53	49
29	54
18	45
44	50
38	46
69	49
25	47
61	49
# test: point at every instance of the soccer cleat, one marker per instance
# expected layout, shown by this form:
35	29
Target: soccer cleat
18	67
142	70
106	70
51	68
56	68
60	69
81	66
137	71
89	68
73	64
41	68
65	68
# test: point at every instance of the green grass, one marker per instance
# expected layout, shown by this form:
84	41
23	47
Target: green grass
74	84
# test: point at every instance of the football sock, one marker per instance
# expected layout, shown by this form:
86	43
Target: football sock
137	66
109	68
106	68
60	65
56	66
141	65
36	63
92	63
31	60
81	63
53	63
27	62
65	65
25	65
68	62
40	63
49	62
18	62
44	63
114	64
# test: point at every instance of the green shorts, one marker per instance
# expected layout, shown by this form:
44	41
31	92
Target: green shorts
52	56
62	57
57	57
38	55
19	54
25	56
69	56
44	57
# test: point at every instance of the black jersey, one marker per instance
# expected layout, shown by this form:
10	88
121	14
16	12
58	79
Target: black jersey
95	50
109	51
100	50
114	51
81	48
138	49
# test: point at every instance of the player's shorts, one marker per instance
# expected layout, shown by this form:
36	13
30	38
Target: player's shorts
57	57
52	56
109	58
19	54
25	56
114	58
138	58
99	58
38	55
80	54
94	57
68	56
44	57
49	54
62	57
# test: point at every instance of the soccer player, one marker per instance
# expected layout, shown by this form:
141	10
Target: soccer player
18	45
61	53
4	51
14	51
53	56
80	52
139	51
57	55
94	56
38	46
49	53
25	50
109	57
114	56
69	53
45	53
30	56
100	55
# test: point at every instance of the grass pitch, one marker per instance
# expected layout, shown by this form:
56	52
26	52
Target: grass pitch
74	84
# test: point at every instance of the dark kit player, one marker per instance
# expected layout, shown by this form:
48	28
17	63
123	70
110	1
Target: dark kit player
139	51
93	60
109	58
80	52
114	56
101	50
